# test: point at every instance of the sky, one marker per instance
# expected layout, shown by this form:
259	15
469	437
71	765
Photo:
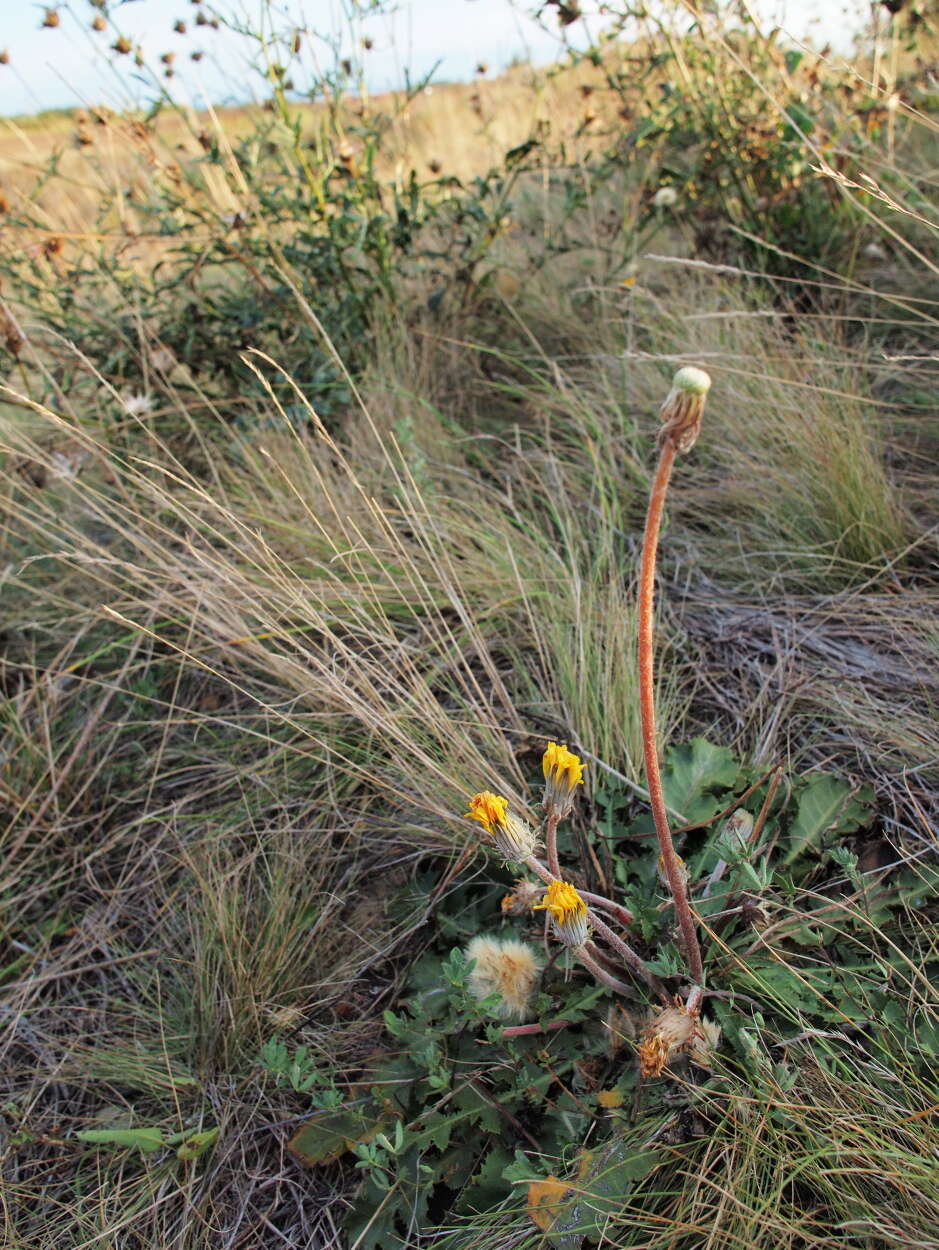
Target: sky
71	65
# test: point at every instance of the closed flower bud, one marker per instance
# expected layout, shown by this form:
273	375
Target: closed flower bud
683	408
740	826
512	838
568	913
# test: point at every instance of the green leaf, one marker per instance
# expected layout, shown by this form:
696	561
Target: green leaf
197	1144
327	1135
788	988
372	1224
145	1139
692	775
602	1182
827	805
488	1186
794	59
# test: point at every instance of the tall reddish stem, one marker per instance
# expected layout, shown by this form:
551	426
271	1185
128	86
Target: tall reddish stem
672	868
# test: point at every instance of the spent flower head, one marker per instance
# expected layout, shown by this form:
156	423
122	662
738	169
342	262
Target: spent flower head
665	197
505	968
514	839
563	772
568	913
522	900
683	408
671	1032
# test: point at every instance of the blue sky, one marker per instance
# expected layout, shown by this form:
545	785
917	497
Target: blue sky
69	65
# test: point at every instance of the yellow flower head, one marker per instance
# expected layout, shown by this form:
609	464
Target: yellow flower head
489	809
513	838
563	771
568	913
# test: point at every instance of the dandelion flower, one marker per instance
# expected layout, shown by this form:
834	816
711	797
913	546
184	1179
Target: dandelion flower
512	838
671	1032
665	197
568	913
683	408
563	772
507	968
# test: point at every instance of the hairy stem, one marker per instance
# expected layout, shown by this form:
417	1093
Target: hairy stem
551	844
616	910
626	952
532	1030
604	977
673	872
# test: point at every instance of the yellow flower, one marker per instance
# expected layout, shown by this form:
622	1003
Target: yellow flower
563	771
489	809
568	913
512	838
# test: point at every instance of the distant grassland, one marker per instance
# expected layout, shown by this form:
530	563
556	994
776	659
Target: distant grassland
455	129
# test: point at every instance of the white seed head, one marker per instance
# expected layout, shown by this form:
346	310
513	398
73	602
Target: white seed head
506	968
